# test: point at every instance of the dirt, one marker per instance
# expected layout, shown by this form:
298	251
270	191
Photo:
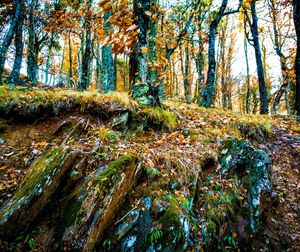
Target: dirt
282	226
23	143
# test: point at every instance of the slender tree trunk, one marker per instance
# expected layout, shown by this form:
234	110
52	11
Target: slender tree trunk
14	78
248	77
187	85
223	66
199	66
84	83
61	65
174	78
142	90
264	107
9	36
31	61
152	50
210	89
70	61
287	103
98	67
141	6
297	60
228	79
109	82
48	59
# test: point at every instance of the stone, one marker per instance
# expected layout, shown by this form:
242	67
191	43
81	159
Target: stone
40	183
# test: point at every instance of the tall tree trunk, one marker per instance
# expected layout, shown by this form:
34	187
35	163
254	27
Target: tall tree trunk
61	65
297	60
223	66
140	8
200	64
210	89
228	79
142	90
14	78
186	81
248	77
287	103
31	61
84	83
9	36
98	67
48	59
70	61
264	107
152	50
109	82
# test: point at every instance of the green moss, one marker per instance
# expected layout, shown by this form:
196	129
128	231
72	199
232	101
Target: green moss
114	168
256	128
211	227
69	215
32	104
160	117
37	179
170	218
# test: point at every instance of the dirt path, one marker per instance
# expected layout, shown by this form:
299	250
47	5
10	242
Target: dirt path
283	224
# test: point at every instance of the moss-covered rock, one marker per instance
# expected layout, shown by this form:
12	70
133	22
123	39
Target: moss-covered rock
252	167
103	196
41	181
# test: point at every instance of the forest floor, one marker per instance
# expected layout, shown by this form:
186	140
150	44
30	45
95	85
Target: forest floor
196	133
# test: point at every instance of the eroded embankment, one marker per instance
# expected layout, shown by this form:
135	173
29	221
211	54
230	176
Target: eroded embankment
182	179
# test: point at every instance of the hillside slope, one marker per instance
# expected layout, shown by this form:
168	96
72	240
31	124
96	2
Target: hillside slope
84	171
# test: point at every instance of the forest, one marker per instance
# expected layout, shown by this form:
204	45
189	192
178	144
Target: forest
149	125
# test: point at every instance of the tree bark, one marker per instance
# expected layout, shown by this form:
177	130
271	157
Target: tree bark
84	83
264	107
210	89
141	88
187	84
248	77
200	64
109	82
223	66
152	50
48	59
98	66
297	60
14	78
9	36
32	57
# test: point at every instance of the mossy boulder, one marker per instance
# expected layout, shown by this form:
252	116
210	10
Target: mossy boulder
231	205
162	224
40	183
252	168
99	202
220	203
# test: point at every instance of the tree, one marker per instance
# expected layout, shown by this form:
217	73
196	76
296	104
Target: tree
86	59
279	41
108	68
14	78
17	6
142	90
254	41
210	89
296	6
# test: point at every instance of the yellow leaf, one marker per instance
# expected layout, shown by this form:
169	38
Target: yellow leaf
145	50
148	13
